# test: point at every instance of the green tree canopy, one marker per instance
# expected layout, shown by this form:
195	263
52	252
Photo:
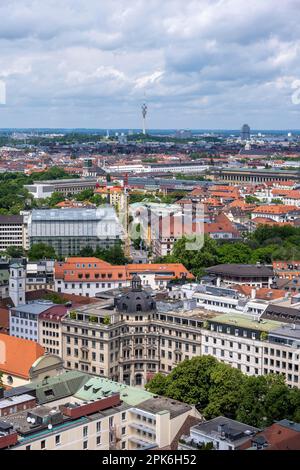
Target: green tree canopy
41	251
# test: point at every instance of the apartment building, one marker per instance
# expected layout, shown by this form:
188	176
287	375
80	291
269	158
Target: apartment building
4	279
77	411
278	213
50	330
40	275
223	433
13	232
90	276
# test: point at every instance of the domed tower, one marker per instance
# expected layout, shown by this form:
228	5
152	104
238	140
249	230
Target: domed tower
136	300
138	347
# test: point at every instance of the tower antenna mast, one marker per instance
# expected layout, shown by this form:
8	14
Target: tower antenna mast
144	114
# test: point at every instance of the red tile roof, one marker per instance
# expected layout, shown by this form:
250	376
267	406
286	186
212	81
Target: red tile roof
18	355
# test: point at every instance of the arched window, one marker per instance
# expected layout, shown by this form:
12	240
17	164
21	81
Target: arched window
124	306
138	307
10	380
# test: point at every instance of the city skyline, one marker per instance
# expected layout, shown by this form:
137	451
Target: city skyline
209	65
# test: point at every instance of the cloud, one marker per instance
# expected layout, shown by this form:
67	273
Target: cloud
200	63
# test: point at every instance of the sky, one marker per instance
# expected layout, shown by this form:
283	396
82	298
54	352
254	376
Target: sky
199	64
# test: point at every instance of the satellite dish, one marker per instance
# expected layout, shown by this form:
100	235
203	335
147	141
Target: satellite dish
28	419
33	420
50	426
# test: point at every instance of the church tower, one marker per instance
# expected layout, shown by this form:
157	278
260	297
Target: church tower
17	284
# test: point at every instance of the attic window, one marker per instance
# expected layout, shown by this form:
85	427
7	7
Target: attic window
49	393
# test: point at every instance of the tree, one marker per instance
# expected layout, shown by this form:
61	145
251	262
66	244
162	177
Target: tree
224	392
55	198
189	381
84	195
157	384
276	201
251	199
41	251
54	297
216	388
233	253
195	260
15	252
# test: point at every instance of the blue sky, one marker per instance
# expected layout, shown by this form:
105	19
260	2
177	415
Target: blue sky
199	63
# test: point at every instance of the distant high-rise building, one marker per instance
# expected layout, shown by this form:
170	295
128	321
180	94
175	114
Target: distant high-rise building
245	132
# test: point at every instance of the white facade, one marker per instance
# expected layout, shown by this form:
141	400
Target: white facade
17	284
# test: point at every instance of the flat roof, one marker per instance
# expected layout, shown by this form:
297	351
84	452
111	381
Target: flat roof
34	308
16	400
234	431
73	214
157	404
287	331
247	321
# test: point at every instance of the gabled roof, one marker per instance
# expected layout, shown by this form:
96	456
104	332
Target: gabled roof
18	355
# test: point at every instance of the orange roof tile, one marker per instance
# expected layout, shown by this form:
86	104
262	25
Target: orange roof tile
18	355
275	209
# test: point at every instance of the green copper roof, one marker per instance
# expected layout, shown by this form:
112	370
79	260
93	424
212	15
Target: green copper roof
98	387
246	321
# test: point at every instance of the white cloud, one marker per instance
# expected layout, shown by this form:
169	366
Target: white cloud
214	62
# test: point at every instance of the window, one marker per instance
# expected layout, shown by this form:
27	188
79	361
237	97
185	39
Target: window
43	444
98	440
123	416
85	431
85	445
123	431
57	440
98	426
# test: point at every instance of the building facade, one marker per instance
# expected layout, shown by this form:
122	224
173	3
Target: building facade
68	231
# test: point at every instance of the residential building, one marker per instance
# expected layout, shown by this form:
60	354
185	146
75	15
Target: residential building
13	232
68	231
90	276
281	435
4	279
23	320
50	330
40	275
278	213
223	433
